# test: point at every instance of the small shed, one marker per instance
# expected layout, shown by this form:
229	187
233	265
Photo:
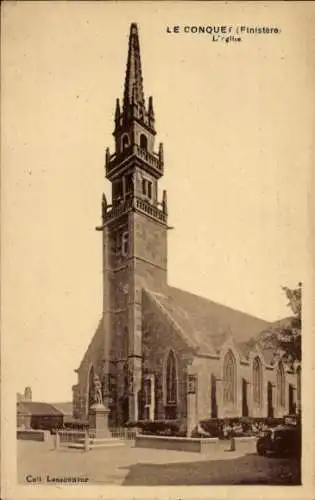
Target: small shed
38	415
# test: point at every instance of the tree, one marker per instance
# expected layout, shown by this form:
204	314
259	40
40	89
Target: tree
285	335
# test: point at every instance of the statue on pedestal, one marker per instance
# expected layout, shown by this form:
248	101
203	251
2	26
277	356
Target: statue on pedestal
98	398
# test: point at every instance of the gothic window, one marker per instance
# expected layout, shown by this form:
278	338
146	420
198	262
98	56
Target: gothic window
125	141
147	391
124	244
257	382
171	379
143	142
281	386
229	378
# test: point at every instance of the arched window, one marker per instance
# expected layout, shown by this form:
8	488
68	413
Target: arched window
143	142
171	379
125	141
281	386
257	382
229	378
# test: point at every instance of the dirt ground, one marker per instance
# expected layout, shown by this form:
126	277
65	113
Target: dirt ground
39	463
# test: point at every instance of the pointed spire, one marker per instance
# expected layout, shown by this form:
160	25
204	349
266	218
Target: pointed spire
161	154
107	157
133	82
151	112
104	207
164	202
117	111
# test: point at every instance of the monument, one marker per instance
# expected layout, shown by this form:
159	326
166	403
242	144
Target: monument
98	413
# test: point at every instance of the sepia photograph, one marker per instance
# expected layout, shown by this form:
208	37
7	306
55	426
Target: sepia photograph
155	247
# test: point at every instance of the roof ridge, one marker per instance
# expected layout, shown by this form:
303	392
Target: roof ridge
221	305
172	320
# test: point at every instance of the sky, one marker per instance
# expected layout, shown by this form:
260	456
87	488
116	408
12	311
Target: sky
235	120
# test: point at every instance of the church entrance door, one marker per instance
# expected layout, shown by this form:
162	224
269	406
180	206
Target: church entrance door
244	398
214	406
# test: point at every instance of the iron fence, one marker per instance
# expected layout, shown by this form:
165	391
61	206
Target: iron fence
66	437
123	433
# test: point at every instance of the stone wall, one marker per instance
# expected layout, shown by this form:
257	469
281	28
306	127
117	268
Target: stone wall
32	435
209	380
93	357
150	244
159	335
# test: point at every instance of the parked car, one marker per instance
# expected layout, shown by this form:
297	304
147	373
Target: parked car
280	440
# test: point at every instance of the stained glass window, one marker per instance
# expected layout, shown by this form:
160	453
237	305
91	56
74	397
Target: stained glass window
257	382
229	378
147	387
281	385
171	379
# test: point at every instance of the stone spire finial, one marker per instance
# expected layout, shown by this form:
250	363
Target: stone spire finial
133	80
161	153
164	202
104	207
117	111
151	115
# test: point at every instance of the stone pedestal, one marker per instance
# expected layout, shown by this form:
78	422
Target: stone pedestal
98	421
192	417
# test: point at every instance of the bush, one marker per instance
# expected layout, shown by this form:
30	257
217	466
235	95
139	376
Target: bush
272	421
131	424
212	426
161	427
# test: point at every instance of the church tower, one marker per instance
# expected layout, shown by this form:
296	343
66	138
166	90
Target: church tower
134	227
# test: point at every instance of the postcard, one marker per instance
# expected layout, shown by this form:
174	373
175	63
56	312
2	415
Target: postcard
157	269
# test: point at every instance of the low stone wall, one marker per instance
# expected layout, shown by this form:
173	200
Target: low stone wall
71	435
245	438
197	445
32	435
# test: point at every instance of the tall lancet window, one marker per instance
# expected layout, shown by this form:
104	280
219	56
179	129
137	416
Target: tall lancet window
229	378
280	386
257	382
171	379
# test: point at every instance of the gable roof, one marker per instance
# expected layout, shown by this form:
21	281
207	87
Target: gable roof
38	408
206	323
65	408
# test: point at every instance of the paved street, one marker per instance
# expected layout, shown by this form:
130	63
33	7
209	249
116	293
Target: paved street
137	466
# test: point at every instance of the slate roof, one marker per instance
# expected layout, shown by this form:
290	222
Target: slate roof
65	408
38	408
206	324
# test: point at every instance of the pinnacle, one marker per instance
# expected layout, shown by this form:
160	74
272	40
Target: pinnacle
133	91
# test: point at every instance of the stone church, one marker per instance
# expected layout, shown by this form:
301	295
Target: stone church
161	352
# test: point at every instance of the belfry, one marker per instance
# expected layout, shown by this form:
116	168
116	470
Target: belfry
161	352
